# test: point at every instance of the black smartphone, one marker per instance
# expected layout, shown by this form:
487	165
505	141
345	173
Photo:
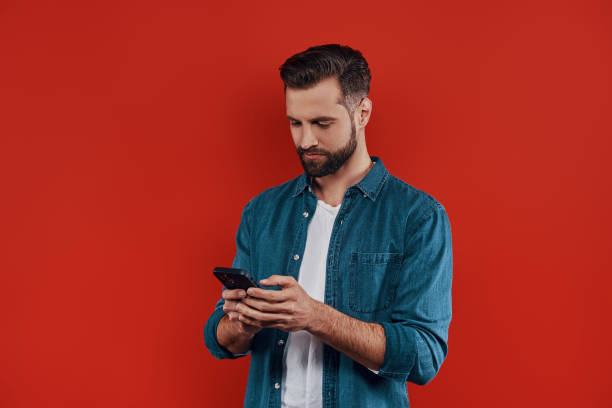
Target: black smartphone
234	278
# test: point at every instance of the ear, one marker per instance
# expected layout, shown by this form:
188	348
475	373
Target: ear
363	111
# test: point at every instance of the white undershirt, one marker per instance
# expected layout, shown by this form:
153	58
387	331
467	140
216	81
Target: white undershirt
303	357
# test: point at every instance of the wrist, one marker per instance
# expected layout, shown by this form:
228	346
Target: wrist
247	331
319	316
235	326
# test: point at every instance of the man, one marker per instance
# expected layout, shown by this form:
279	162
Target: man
355	264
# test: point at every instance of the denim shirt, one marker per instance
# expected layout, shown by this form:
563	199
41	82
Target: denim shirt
389	261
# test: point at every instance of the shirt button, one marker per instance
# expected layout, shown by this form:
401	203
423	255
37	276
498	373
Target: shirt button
365	195
277	386
296	257
305	214
281	342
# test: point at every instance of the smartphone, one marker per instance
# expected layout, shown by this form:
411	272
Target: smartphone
234	278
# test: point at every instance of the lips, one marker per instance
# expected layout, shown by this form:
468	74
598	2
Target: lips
312	156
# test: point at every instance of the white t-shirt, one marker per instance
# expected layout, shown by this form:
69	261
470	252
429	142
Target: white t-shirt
303	355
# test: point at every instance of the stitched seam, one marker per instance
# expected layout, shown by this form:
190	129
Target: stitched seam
382	183
354	286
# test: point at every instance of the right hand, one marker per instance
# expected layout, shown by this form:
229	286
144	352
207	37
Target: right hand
232	298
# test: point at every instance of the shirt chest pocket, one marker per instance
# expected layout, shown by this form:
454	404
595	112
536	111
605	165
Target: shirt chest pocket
373	279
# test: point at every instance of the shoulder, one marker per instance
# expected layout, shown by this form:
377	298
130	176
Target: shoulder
416	204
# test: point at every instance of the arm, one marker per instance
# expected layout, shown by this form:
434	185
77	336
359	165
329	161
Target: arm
362	341
417	335
224	335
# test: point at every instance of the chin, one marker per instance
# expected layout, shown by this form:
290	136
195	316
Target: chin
313	164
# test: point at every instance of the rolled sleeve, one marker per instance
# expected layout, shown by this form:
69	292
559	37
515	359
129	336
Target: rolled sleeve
242	261
417	335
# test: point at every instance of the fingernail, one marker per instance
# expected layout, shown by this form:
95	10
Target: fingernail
241	293
264	281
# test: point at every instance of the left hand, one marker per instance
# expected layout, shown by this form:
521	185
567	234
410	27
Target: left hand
289	309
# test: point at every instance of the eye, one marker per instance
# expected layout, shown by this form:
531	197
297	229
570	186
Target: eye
295	123
323	125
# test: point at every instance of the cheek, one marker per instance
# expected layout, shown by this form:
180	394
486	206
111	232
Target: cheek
295	136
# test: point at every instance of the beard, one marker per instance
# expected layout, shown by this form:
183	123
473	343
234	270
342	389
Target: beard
330	162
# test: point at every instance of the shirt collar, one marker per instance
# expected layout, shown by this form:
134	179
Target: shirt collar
370	185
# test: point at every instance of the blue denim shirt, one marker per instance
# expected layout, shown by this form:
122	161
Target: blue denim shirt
389	261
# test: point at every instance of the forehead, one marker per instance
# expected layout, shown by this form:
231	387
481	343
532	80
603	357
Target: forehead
321	99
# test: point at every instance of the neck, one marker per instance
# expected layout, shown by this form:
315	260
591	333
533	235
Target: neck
331	188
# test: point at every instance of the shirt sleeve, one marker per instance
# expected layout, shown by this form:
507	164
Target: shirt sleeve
242	261
417	335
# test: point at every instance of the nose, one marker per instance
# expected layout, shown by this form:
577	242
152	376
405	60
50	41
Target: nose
308	138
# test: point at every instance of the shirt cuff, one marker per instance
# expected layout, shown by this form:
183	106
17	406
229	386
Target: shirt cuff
400	350
210	338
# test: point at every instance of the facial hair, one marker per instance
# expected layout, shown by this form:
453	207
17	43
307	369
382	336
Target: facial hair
333	161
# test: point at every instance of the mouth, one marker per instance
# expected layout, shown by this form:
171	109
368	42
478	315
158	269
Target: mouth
312	156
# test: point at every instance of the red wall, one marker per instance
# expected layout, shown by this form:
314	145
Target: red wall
132	134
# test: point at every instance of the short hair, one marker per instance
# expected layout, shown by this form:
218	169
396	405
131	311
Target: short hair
305	69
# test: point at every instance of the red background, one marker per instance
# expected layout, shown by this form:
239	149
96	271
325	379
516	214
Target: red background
133	133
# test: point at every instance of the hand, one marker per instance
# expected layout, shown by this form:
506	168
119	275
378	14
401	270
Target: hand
289	309
233	298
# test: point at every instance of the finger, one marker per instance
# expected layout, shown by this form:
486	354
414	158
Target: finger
278	280
251	322
267	294
233	294
260	316
229	306
248	321
268	307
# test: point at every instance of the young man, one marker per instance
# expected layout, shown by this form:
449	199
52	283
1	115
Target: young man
362	261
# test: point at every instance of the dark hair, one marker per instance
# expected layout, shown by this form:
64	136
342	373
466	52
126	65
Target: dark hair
305	69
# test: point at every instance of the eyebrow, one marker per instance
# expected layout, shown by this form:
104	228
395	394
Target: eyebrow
317	119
